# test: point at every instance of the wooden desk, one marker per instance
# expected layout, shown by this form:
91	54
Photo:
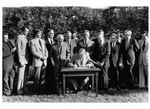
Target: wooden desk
73	72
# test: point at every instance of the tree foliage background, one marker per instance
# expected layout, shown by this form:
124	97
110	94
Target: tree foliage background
62	19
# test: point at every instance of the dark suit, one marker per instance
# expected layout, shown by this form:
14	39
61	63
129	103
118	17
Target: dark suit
128	54
8	73
115	59
49	77
88	47
101	54
58	57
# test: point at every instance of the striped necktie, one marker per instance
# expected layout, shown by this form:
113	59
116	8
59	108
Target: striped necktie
143	47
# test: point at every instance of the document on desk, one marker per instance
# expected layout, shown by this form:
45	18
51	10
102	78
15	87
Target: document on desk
81	67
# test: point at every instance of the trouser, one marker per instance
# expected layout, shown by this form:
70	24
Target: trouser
114	77
143	76
49	78
8	80
129	77
21	73
103	78
58	76
39	77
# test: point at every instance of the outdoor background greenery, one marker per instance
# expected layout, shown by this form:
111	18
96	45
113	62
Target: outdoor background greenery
62	19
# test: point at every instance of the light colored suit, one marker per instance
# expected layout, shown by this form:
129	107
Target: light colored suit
72	47
143	63
143	56
38	52
64	51
21	44
21	49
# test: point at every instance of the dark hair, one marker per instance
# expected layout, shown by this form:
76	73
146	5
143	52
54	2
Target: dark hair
5	33
49	30
35	31
145	32
23	29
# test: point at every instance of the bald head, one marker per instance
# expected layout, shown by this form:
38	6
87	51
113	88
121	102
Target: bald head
128	33
82	52
68	35
60	38
50	33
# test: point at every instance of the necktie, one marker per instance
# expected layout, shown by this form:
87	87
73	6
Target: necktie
143	47
127	43
69	43
113	44
10	45
40	43
60	48
52	42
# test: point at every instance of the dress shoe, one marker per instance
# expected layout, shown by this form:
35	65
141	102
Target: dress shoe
20	91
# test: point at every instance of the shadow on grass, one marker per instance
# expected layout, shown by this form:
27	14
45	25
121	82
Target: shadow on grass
115	92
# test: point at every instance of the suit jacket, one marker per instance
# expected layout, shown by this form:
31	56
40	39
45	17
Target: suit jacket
88	47
21	44
48	46
8	57
72	47
102	53
128	52
58	55
115	55
143	54
38	52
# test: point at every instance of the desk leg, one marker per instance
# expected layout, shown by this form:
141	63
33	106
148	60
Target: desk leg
92	83
96	89
64	83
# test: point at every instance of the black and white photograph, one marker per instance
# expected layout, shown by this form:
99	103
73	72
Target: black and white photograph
75	54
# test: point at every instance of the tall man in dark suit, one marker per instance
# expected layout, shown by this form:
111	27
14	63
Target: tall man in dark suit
8	62
86	43
101	56
115	62
128	48
59	56
49	77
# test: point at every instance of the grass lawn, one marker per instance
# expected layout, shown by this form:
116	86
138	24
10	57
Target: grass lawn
125	95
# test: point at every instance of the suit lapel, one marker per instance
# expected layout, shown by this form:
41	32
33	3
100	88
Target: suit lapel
146	46
38	45
57	49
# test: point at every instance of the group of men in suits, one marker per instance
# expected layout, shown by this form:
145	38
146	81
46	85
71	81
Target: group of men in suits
49	55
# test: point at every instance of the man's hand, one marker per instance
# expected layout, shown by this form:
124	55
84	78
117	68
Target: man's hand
75	66
100	63
43	58
21	63
120	65
53	63
13	50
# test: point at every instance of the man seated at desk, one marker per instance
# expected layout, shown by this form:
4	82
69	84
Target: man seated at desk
81	60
